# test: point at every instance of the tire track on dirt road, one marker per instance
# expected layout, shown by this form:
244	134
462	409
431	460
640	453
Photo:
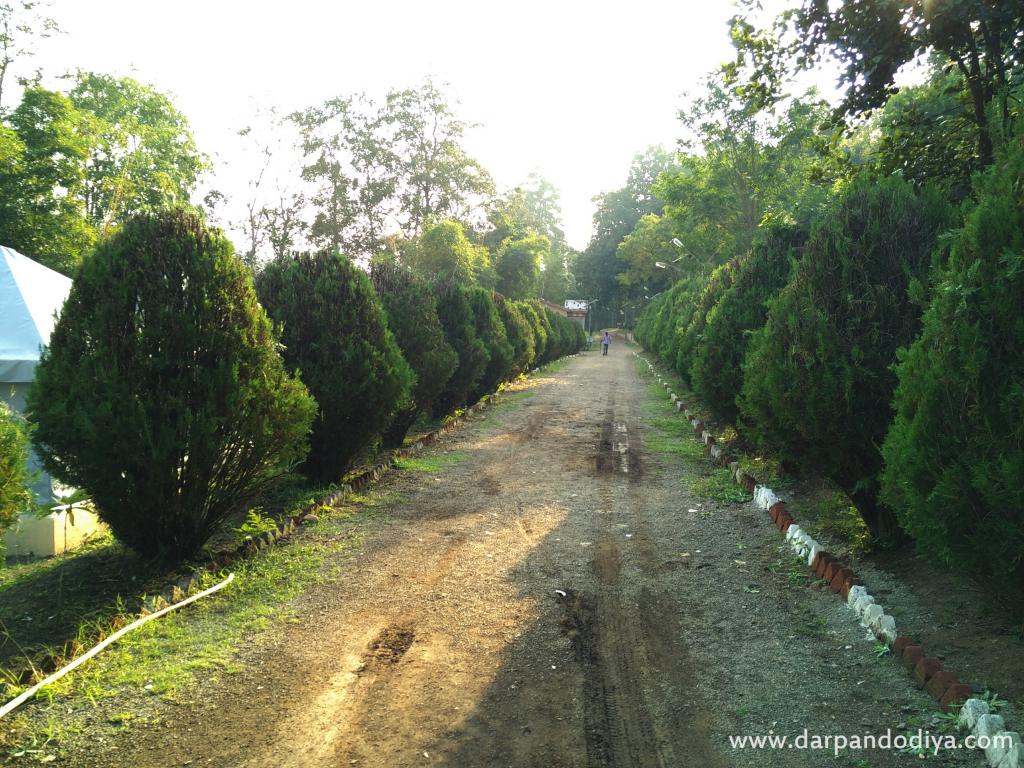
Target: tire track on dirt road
622	632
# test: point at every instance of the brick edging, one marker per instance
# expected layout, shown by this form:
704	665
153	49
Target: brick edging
943	685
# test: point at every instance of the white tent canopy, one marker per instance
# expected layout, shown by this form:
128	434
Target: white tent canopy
30	297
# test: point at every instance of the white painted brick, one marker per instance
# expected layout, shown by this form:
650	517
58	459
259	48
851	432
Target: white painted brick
988	725
812	553
872	613
885	628
1002	754
971	711
856	591
864	602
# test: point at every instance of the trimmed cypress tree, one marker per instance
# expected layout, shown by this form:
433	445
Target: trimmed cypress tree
457	320
540	334
519	333
954	456
491	330
716	373
550	335
162	394
15	495
334	331
411	310
818	379
693	319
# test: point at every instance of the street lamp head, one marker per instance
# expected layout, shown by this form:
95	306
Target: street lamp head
677	242
660	264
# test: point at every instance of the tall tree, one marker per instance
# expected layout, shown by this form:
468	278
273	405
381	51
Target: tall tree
377	169
519	265
444	254
142	154
617	214
438	178
351	165
534	208
738	167
873	39
42	209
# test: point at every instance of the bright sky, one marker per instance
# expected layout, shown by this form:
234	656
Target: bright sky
570	90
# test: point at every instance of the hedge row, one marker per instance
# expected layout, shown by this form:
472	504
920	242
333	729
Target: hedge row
876	350
174	390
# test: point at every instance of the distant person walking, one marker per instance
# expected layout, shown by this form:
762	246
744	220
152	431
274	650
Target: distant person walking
604	343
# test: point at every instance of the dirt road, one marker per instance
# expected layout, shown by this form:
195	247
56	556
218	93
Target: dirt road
555	596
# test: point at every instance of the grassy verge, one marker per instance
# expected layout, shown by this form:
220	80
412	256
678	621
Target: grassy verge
821	508
718	485
431	464
163	658
54	606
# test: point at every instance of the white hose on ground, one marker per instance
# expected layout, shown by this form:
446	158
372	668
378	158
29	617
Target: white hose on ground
25	696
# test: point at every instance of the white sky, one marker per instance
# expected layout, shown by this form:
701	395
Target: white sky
571	90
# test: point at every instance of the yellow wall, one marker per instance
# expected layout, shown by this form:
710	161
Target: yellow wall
51	535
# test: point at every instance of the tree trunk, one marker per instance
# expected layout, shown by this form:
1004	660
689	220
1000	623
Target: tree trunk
395	434
880	520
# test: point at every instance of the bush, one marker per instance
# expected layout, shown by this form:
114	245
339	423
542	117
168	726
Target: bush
716	373
459	324
519	332
162	394
411	310
556	335
491	331
334	331
954	457
533	314
16	494
694	320
665	317
818	378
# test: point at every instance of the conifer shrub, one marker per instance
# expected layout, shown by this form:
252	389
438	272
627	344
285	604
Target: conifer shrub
459	324
954	456
556	337
540	334
818	378
693	318
491	331
550	336
334	331
519	332
411	310
671	314
162	394
15	492
716	373
580	336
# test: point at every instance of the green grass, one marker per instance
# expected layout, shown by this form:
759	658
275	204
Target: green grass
827	510
433	463
550	369
672	436
794	570
163	657
768	471
718	485
53	604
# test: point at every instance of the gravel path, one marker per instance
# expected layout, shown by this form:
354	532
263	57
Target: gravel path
558	597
